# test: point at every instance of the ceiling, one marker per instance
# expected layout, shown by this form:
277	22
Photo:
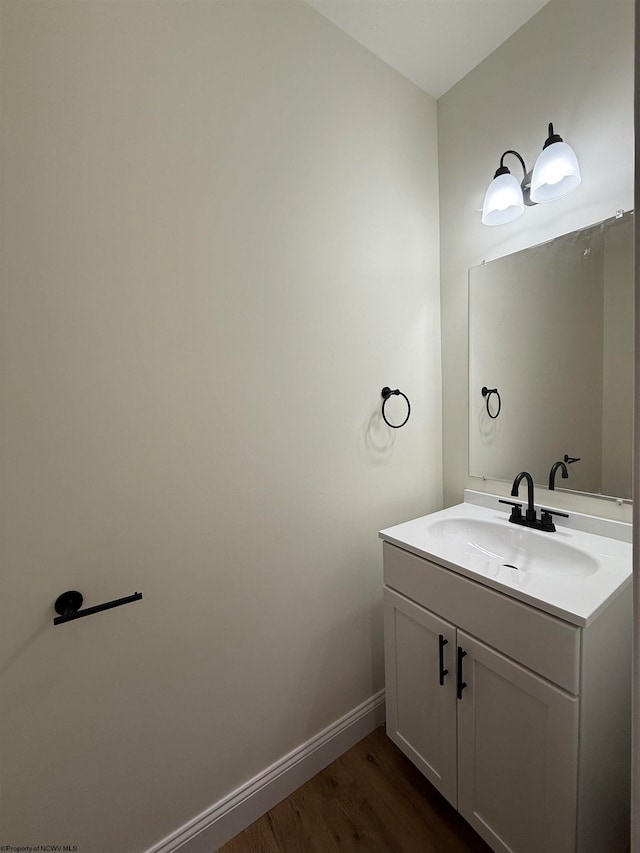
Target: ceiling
432	42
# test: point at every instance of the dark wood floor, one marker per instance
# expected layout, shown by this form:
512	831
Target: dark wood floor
371	799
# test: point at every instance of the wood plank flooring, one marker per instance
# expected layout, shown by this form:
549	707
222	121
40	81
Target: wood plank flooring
370	799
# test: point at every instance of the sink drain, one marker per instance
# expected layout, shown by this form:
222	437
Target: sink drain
509	566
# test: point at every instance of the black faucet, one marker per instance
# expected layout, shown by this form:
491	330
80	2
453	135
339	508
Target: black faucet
552	473
529	519
530	515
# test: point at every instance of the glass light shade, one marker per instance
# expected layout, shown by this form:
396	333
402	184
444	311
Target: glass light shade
555	174
503	201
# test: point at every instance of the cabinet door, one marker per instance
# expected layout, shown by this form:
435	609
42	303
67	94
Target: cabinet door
517	754
421	711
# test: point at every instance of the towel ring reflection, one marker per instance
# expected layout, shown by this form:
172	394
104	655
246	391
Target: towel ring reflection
386	393
487	392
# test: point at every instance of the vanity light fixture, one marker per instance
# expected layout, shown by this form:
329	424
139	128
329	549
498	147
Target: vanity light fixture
555	174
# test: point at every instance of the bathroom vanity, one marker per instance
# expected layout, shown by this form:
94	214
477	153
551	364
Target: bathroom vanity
508	666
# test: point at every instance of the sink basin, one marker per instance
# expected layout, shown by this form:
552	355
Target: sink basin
514	547
571	573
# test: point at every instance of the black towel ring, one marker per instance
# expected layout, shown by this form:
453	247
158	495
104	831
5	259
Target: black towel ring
386	393
487	392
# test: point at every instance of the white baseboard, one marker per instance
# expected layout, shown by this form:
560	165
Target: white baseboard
235	812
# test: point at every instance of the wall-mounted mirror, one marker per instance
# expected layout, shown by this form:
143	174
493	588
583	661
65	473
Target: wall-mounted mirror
551	328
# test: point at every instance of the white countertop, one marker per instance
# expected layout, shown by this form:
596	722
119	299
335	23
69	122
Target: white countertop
576	598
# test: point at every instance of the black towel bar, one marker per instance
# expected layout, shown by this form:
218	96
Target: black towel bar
69	603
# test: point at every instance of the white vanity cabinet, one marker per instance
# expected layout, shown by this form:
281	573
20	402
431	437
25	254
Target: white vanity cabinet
520	719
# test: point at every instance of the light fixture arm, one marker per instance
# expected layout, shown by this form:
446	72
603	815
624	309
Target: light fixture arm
526	180
502	170
552	137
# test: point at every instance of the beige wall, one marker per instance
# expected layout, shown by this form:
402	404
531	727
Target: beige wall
219	241
571	64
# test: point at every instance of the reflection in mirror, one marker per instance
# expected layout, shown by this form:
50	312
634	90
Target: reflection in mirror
551	327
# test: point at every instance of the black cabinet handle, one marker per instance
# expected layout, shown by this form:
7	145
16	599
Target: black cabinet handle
460	684
443	671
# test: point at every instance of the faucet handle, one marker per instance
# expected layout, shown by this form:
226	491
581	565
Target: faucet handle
516	514
545	518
